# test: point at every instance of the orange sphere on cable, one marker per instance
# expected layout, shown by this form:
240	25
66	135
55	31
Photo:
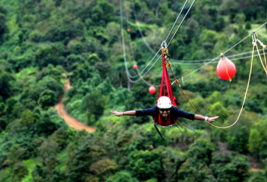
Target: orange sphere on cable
226	68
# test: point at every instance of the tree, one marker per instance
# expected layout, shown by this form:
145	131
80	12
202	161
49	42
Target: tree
236	170
79	162
49	54
122	176
217	109
3	124
20	171
219	161
201	150
54	85
94	104
254	142
3	26
93	58
192	166
61	138
106	87
47	99
103	68
2	109
72	62
12	107
83	71
49	122
248	25
239	18
47	156
27	118
240	140
103	168
145	164
5	85
13	158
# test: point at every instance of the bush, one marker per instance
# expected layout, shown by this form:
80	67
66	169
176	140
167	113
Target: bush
49	54
145	164
47	98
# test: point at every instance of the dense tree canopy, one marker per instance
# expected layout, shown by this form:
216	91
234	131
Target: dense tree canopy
46	43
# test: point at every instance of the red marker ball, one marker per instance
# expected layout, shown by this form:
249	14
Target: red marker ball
152	89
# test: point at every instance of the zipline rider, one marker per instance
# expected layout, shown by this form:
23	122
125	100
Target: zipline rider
164	113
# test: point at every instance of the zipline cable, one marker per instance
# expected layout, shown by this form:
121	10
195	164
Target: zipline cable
129	76
223	53
125	60
203	60
215	58
149	84
149	47
181	22
216	62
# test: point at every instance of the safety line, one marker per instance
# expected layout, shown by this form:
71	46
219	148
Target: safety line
250	71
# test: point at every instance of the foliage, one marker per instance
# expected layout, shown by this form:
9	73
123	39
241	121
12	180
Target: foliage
47	98
41	40
122	176
145	164
5	85
233	168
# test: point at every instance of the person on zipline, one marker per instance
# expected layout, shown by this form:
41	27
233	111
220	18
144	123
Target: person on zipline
165	114
166	111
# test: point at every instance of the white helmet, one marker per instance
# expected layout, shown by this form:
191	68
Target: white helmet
164	102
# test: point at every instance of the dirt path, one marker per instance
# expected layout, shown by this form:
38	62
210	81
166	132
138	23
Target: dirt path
74	123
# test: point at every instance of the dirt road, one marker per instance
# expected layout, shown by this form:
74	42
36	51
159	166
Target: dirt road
74	123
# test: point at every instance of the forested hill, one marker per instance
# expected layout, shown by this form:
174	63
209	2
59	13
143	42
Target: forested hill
43	42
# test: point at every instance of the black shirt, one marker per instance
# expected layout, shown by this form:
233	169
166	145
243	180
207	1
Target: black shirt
176	112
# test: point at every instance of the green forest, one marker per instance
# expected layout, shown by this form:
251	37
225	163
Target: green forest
94	44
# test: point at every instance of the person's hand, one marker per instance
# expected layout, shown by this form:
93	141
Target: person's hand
116	113
212	119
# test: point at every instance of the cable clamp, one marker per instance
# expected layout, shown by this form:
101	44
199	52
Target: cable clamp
164	44
164	49
176	81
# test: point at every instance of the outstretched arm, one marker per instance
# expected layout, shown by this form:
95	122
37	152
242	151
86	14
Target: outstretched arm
128	113
209	119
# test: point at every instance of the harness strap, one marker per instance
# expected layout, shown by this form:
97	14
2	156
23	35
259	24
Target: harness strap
190	128
158	131
181	131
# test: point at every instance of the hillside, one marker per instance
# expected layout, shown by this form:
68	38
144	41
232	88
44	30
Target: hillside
94	44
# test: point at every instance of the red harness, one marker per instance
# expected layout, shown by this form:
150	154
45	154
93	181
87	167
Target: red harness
165	90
